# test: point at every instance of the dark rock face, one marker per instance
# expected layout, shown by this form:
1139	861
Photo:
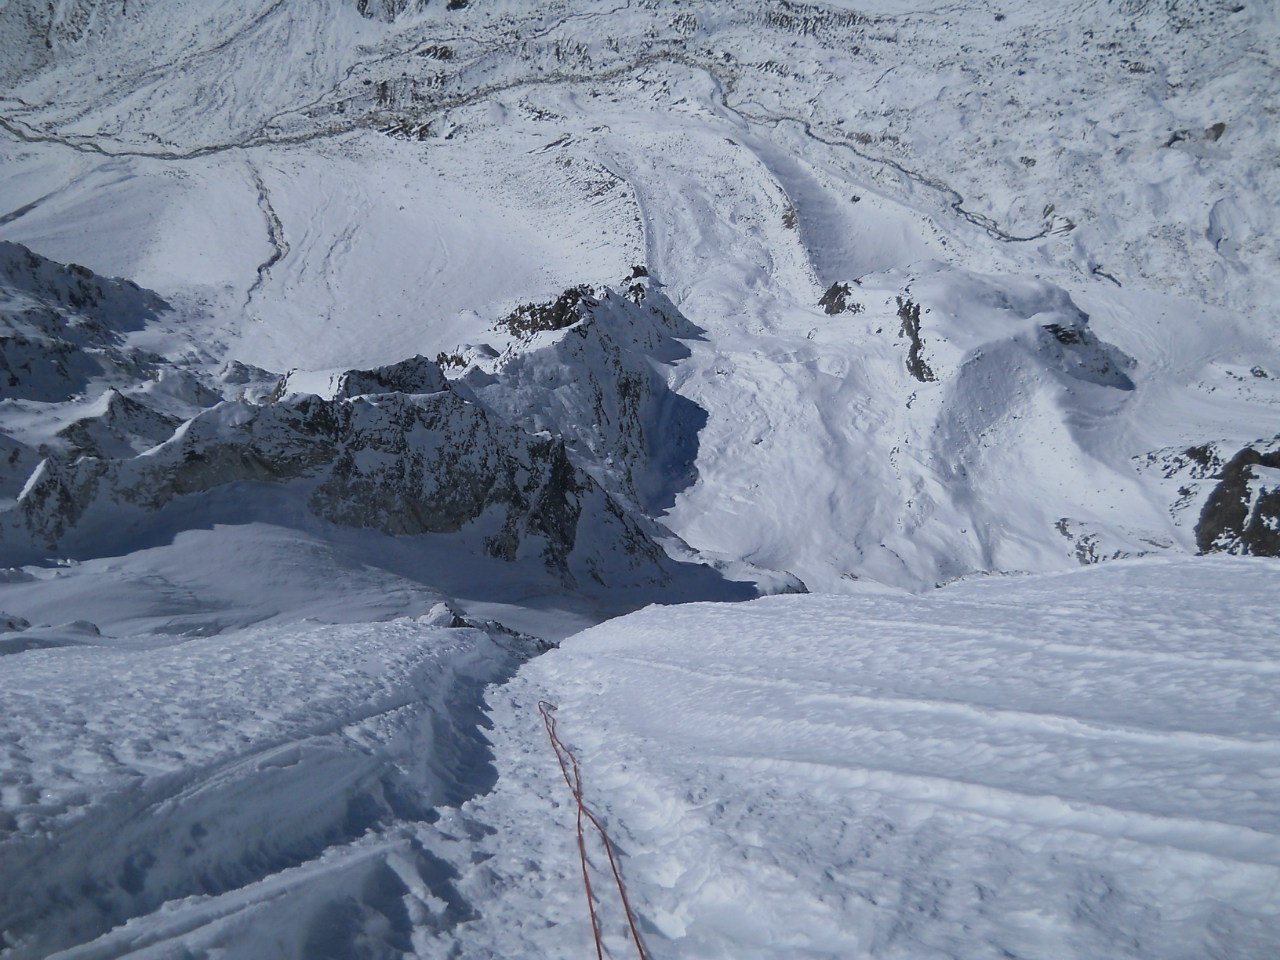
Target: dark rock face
61	326
387	10
917	366
126	427
403	464
1242	514
17	460
562	312
415	375
1064	335
599	386
835	299
1079	353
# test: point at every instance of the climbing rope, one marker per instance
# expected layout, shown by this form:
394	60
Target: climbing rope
568	761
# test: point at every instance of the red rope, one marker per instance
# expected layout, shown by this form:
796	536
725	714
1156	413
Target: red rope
566	758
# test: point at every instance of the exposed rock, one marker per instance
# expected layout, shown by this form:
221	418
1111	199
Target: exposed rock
61	327
599	384
415	375
244	381
123	427
836	300
17	460
398	463
235	372
11	624
530	318
1087	544
387	10
1083	356
1242	513
917	366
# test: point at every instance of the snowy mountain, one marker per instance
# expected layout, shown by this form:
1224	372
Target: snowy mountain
412	338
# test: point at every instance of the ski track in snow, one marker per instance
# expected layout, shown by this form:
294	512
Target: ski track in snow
136	777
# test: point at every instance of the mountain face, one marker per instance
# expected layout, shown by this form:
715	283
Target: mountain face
598	379
903	333
451	329
63	326
401	464
393	449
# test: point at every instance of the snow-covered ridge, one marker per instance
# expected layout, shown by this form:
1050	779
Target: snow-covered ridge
1054	766
600	381
393	448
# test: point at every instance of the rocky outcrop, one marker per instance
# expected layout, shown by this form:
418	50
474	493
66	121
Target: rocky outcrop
600	383
415	375
837	300
387	10
1242	512
62	326
564	311
122	427
395	462
917	366
1080	354
17	460
243	381
550	465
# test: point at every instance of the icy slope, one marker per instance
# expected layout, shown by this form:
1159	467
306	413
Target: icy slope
1080	765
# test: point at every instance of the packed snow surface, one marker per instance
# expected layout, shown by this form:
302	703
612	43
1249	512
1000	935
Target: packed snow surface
136	775
1082	765
1077	765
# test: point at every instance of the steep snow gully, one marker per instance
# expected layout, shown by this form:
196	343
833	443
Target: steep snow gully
829	445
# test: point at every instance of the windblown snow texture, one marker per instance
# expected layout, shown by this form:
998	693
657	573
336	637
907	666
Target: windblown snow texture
1053	766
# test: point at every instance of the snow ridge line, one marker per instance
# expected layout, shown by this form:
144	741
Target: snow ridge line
575	787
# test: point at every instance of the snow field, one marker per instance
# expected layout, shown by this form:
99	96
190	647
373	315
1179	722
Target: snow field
1083	765
1079	765
134	777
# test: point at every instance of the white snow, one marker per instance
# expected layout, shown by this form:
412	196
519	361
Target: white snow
136	776
1079	765
231	729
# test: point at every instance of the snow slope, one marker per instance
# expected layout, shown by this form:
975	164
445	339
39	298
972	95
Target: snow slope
136	776
863	296
1080	765
373	188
